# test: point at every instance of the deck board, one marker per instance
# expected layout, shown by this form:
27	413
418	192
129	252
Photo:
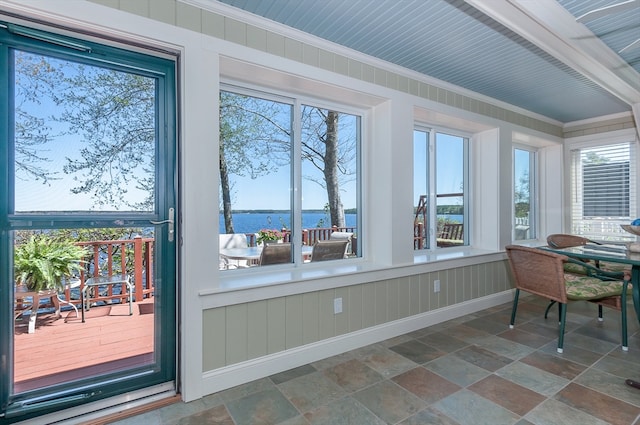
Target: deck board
62	350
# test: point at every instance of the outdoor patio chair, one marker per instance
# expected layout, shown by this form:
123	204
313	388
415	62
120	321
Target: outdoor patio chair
275	253
542	273
329	250
232	240
348	236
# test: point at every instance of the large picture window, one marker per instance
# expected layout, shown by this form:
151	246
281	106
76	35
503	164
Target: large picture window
603	188
440	189
298	190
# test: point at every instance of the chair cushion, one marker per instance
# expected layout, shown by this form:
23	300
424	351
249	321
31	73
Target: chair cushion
614	267
580	287
575	268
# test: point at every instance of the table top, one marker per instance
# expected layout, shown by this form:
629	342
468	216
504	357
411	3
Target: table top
106	280
606	252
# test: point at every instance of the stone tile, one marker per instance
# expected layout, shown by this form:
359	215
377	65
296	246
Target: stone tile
389	401
618	367
298	420
525	338
385	361
287	375
310	391
482	358
467	333
555	412
246	389
429	416
598	404
333	361
456	370
554	364
509	395
352	375
506	348
611	385
395	341
607	330
535	379
443	342
265	407
574	354
426	384
588	343
345	411
417	352
545	331
488	326
468	408
215	416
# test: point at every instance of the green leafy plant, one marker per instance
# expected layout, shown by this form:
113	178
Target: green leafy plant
40	263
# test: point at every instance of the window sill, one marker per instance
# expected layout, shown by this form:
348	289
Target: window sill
253	284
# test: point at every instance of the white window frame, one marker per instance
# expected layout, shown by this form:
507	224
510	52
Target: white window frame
297	100
432	214
613	232
534	160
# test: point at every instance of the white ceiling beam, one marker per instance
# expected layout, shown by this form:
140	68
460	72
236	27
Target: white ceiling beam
553	29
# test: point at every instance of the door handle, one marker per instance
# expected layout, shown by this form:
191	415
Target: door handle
169	221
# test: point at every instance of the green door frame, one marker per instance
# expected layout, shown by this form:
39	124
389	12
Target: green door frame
38	402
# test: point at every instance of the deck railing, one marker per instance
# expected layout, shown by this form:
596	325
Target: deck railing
309	236
132	257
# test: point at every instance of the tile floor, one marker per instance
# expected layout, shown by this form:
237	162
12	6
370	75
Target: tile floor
471	370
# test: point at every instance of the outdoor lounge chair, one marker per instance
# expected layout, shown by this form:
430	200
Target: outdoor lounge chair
542	273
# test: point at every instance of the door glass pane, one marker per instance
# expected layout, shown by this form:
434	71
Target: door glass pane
85	141
84	137
48	316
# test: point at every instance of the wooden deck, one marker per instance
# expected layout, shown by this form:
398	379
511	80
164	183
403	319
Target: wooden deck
64	349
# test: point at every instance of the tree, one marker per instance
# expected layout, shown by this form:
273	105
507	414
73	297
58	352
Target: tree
254	140
109	114
332	154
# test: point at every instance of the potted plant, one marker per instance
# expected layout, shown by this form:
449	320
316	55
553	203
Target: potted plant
269	235
41	263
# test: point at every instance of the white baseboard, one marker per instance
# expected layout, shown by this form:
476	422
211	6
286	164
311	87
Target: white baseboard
240	373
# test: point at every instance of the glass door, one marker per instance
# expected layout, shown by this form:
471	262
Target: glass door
87	238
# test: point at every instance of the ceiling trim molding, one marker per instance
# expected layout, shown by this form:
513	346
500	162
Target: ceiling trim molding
550	27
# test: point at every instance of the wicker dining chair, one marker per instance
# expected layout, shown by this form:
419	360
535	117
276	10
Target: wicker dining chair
542	273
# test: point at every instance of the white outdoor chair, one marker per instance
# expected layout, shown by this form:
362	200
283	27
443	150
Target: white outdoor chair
232	240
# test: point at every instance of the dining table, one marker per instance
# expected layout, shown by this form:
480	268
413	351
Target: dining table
251	254
615	253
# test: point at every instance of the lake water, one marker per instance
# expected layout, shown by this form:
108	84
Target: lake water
253	222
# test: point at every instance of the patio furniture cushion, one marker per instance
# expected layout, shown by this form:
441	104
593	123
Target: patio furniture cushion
581	287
